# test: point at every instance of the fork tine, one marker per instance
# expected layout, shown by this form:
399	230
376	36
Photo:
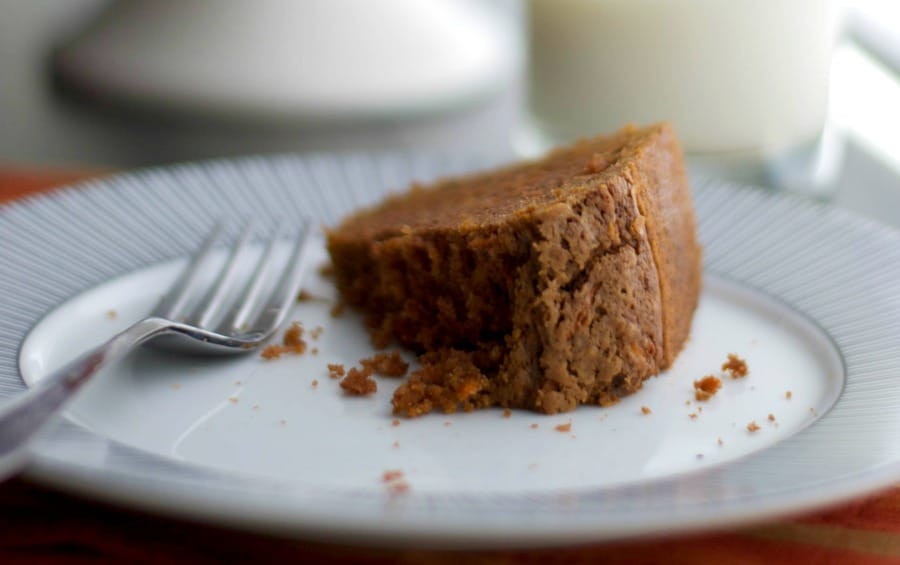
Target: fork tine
211	306
247	304
181	292
276	307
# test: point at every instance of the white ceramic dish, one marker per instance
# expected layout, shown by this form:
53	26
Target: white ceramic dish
804	293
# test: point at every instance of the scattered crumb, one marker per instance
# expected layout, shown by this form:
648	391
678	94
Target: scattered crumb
395	482
282	423
736	366
175	386
314	351
316	332
338	309
237	383
771	417
359	382
506	413
315	383
292	342
446	424
271	352
112	314
293	338
335	370
564	427
395	444
398	487
788	395
692	415
700	409
752	426
646	410
534	426
386	364
706	388
719	441
395	422
233	399
812	410
687	402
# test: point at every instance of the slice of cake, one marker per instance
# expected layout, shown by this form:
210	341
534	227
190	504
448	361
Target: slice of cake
541	285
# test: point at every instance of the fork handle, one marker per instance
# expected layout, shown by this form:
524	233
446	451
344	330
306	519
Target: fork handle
25	414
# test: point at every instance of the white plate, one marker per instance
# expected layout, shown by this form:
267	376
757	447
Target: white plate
804	293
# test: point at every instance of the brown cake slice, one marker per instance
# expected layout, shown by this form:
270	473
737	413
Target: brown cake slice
541	285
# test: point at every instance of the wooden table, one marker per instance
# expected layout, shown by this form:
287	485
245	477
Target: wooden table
41	525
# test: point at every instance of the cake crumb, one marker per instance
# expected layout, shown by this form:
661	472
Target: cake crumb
771	417
752	426
395	482
687	402
315	383
812	410
112	314
646	410
534	426
395	444
395	422
506	413
336	370
788	395
292	342
237	383
448	424
233	399
564	427
175	386
448	380
720	441
359	382
706	388
304	296
271	352
314	351
699	456
282	423
338	309
692	415
386	364
316	332
736	366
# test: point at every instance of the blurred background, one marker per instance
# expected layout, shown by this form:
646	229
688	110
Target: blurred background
101	84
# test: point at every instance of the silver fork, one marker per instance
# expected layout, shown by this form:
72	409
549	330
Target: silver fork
218	324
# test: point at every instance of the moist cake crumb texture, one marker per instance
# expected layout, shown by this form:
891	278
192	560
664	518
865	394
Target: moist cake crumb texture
542	285
707	387
736	366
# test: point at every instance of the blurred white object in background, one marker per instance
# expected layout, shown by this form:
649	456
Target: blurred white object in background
309	60
744	82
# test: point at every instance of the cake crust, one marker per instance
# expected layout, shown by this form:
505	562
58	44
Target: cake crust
564	281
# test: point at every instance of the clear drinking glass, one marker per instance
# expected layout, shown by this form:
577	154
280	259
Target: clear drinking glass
743	82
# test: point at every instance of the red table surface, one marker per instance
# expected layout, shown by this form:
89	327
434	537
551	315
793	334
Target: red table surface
39	524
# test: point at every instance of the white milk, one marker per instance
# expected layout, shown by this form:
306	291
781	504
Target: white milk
735	77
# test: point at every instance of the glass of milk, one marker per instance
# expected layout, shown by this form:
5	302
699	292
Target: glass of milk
744	82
